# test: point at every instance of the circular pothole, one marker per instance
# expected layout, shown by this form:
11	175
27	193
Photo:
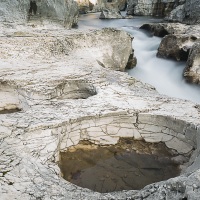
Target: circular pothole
129	164
74	89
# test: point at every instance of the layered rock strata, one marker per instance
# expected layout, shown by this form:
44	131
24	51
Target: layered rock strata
63	89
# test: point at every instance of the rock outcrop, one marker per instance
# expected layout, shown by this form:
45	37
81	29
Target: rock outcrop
186	13
192	70
163	29
175	46
61	89
86	6
114	6
110	10
180	42
152	7
47	11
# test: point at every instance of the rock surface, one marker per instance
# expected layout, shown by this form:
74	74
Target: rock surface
180	42
86	6
187	13
175	46
63	89
59	87
152	7
192	70
47	11
110	10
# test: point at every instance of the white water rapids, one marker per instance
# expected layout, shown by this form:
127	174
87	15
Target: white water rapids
164	74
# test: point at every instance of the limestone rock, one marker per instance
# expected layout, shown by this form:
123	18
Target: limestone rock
192	70
85	6
130	6
110	11
132	62
152	7
20	12
122	5
192	14
65	95
177	15
187	13
63	87
162	29
180	42
175	46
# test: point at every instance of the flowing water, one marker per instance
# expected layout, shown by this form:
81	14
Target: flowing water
130	164
164	74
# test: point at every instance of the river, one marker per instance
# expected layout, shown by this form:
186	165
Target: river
164	74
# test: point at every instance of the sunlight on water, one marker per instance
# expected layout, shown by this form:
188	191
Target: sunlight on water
164	74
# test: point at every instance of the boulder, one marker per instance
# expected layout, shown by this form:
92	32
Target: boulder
22	11
132	61
110	10
152	7
192	70
86	6
188	12
180	42
175	46
60	87
131	6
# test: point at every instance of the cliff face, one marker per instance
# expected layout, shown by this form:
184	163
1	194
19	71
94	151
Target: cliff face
152	7
174	10
20	11
189	13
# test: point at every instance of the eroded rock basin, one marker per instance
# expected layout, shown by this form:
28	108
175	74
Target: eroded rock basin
129	164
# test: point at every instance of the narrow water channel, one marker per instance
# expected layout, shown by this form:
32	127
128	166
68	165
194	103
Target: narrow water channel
164	74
